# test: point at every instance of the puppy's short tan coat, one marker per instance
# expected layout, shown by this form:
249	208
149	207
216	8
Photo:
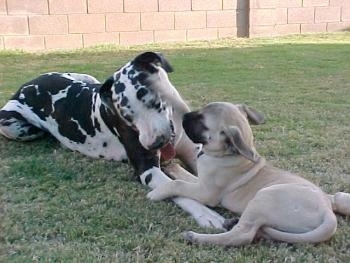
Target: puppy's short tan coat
273	202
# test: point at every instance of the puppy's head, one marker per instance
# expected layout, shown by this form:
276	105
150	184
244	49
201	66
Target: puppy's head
223	129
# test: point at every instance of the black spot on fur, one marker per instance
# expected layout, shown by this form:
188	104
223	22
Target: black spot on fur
133	81
124	101
9	117
148	178
38	99
97	125
75	108
119	87
71	130
142	77
131	73
104	144
109	119
117	76
128	117
141	93
157	105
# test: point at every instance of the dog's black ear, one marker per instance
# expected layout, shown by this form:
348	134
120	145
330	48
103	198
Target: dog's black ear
254	117
106	92
235	140
145	59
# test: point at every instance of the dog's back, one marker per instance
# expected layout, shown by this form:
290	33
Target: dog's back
64	106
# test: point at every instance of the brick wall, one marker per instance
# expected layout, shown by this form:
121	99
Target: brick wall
60	24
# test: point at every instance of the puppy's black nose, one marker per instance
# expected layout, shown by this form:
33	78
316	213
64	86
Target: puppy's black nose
187	118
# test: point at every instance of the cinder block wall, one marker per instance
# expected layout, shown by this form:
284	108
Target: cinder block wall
281	17
63	24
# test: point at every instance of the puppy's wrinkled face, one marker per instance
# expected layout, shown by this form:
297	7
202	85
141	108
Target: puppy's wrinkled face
223	128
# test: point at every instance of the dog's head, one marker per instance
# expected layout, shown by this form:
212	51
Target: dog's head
136	92
223	129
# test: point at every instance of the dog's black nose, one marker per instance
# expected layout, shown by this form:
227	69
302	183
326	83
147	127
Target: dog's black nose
159	142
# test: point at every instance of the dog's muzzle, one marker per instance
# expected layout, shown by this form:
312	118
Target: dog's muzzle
159	142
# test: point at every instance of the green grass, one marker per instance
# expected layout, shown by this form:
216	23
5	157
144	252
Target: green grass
59	206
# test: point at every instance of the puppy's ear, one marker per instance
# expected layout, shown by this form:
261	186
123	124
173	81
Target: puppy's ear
235	140
145	59
254	117
106	93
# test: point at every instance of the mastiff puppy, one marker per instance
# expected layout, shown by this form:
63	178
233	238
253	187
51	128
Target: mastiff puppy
272	202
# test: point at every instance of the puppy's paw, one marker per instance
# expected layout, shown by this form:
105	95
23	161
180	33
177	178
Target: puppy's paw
155	195
188	236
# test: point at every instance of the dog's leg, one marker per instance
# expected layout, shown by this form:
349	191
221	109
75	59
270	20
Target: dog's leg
204	216
146	168
16	127
175	171
187	152
340	203
184	189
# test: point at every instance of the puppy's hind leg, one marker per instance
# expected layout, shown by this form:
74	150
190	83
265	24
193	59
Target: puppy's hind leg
240	234
340	203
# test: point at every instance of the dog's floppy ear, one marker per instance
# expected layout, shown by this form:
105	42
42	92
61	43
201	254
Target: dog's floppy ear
235	140
254	117
106	93
145	59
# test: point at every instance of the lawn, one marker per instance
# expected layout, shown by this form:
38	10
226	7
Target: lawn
59	206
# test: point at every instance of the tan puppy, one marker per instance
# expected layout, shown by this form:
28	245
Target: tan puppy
278	204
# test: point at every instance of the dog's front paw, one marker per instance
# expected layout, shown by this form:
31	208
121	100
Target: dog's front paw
211	221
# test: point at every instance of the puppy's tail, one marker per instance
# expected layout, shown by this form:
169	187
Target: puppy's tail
340	203
319	234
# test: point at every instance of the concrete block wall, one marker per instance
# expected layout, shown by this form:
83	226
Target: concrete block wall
282	17
64	24
60	24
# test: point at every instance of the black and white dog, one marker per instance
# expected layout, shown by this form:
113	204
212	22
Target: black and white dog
136	114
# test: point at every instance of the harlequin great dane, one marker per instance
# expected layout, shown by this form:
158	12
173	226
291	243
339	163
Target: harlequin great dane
135	114
278	204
